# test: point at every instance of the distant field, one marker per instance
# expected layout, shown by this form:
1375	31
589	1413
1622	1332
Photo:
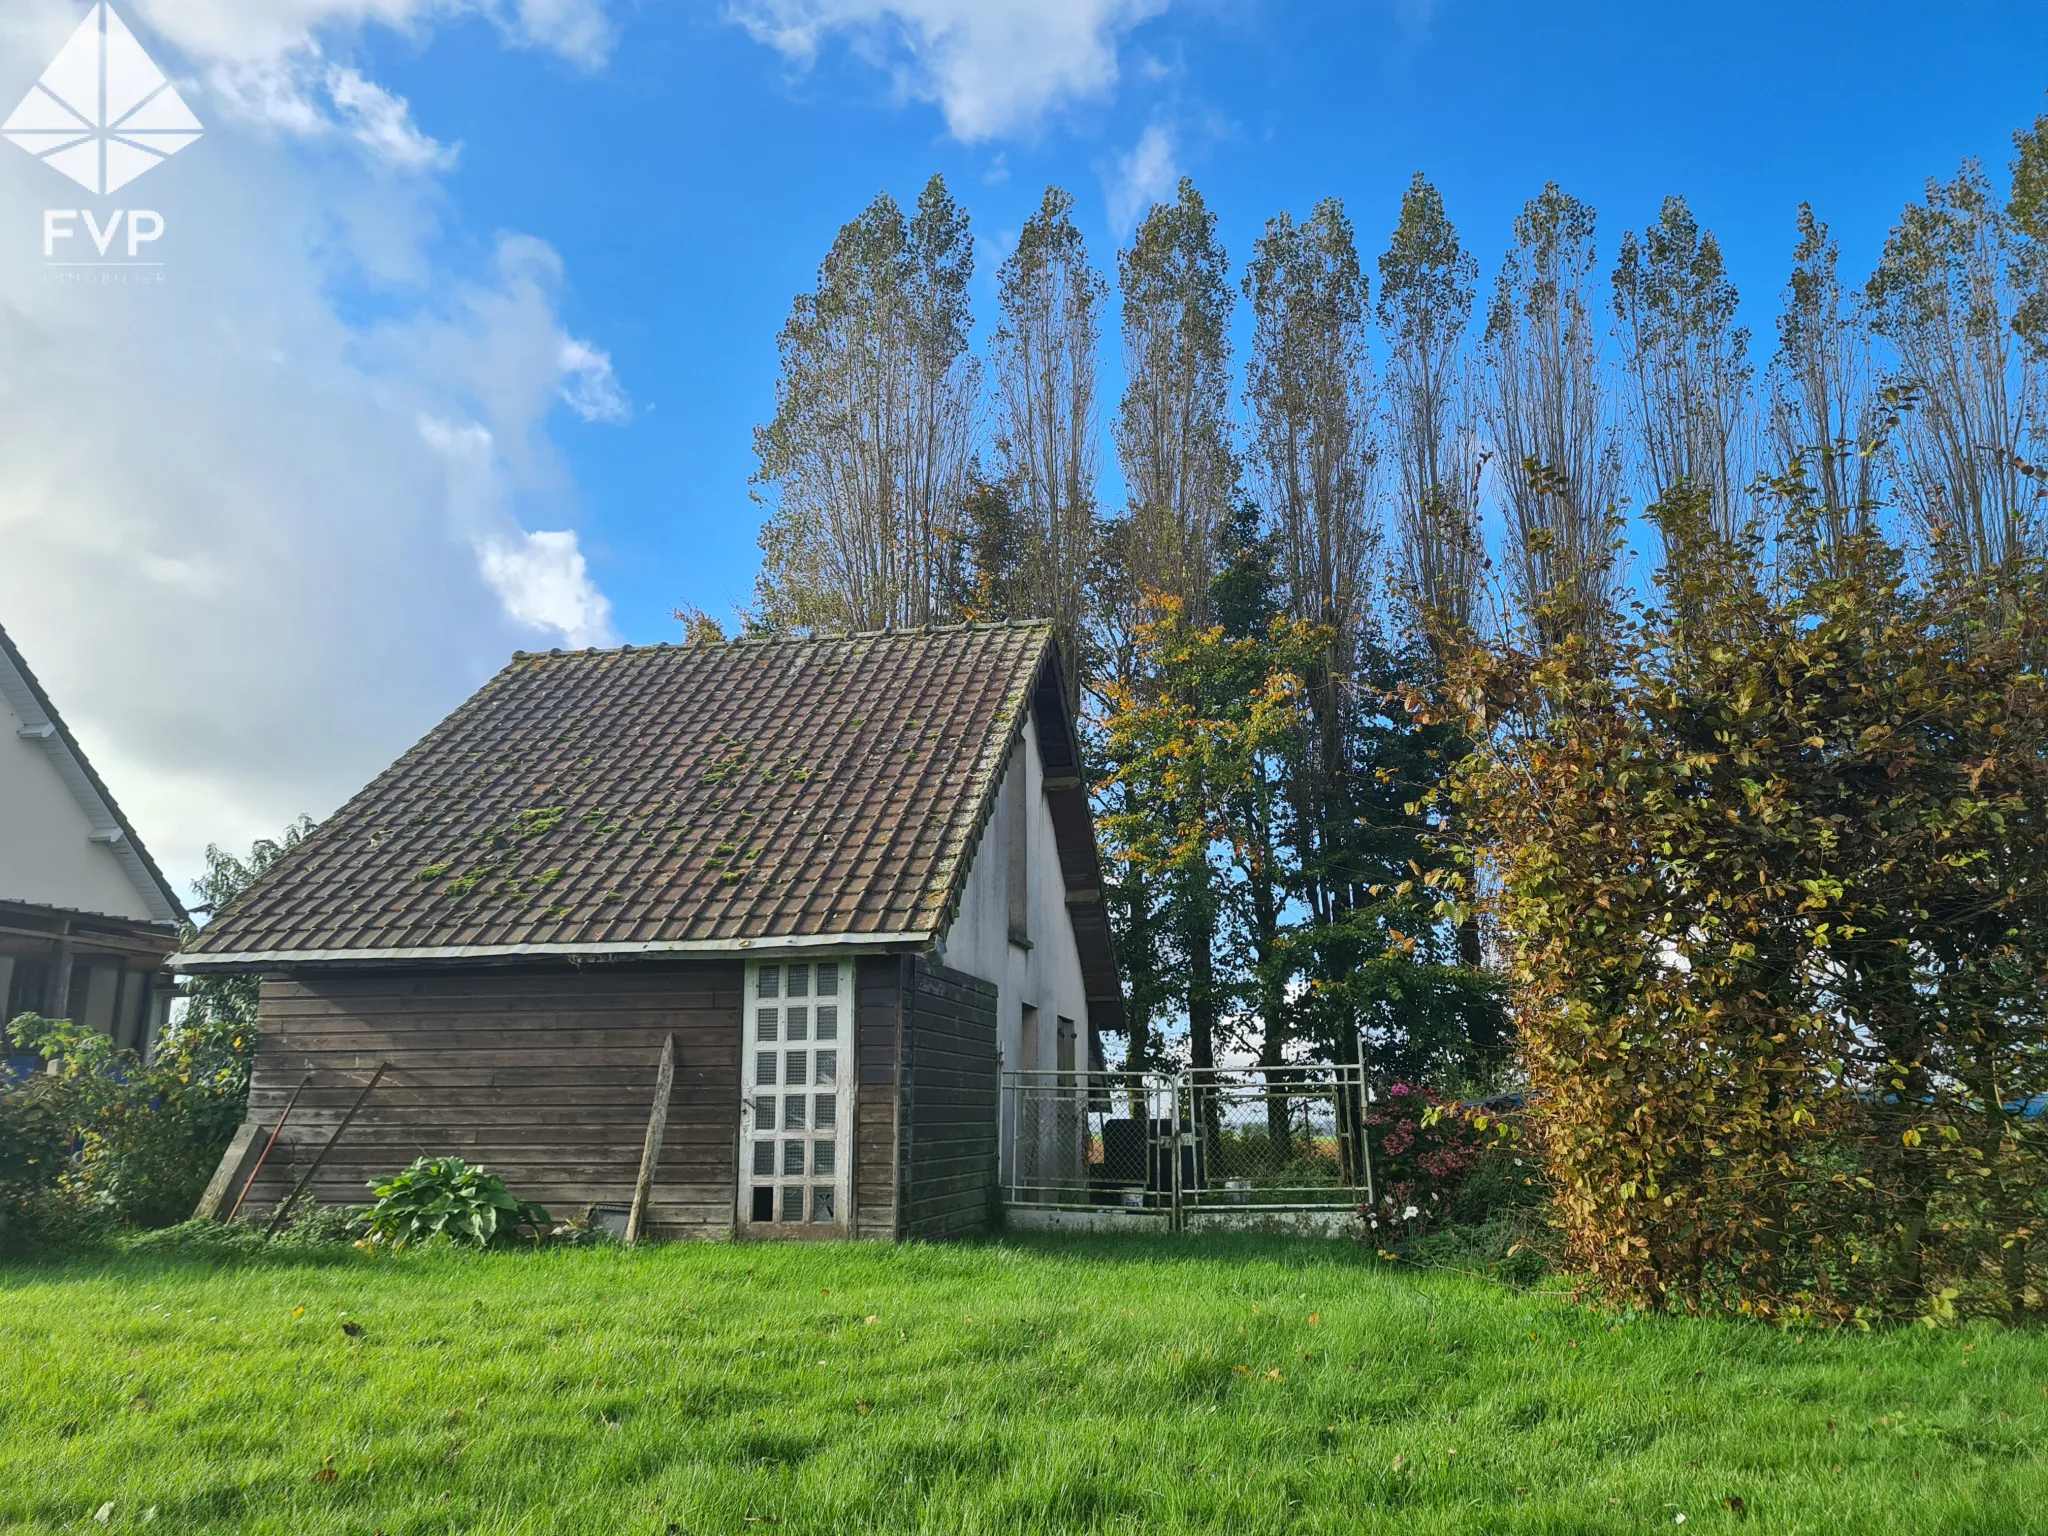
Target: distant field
1219	1384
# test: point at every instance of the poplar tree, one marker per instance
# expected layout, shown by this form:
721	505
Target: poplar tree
1309	396
1427	287
1947	296
1048	431
1559	465
1686	363
2028	213
1428	284
1823	422
1173	432
1173	438
867	457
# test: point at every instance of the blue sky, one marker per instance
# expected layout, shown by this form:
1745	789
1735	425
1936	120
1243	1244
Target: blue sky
693	186
472	303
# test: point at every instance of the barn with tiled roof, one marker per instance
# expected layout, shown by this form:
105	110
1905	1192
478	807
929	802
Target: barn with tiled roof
834	881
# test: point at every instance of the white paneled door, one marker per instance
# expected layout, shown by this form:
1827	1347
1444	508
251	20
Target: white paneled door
796	1118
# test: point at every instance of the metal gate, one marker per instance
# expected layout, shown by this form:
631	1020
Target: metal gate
1273	1149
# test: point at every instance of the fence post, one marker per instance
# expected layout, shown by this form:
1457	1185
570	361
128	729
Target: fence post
1365	1127
1173	1148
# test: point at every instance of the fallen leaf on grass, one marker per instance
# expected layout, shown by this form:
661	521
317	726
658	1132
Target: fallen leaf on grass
105	1512
1240	1370
861	1407
1273	1376
1734	1502
1315	1319
1399	1462
143	1403
325	1475
353	1330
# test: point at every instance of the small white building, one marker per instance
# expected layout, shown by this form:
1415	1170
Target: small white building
86	918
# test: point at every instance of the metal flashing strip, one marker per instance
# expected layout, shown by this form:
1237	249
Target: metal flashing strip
198	964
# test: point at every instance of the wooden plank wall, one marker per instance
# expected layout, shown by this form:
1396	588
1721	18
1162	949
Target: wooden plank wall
950	1096
882	982
545	1075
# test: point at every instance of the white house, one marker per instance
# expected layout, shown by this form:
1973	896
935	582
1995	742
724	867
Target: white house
86	918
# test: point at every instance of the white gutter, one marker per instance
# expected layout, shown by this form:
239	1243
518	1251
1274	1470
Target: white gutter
201	962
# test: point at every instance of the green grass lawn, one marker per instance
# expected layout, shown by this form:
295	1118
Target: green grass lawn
1236	1385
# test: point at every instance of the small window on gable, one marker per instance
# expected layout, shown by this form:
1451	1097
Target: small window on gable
1017	813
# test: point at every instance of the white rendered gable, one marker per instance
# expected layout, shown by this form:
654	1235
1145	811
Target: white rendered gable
1044	974
61	844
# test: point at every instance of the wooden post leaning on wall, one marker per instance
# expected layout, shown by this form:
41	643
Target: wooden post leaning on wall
657	1129
298	1189
233	1169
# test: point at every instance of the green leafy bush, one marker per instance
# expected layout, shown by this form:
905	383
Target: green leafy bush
102	1140
36	1138
444	1196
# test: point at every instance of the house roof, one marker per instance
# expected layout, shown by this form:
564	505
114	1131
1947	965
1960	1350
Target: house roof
680	799
110	828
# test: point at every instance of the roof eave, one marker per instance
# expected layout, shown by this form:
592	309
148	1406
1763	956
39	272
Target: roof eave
200	963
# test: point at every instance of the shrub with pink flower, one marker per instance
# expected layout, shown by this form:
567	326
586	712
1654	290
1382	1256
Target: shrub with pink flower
1424	1148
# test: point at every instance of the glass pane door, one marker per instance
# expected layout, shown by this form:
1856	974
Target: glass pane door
795	1073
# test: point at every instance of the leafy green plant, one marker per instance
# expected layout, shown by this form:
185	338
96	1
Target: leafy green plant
444	1196
101	1138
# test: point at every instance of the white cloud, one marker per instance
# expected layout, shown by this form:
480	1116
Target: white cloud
542	580
248	572
382	123
262	31
576	29
1146	175
589	387
995	67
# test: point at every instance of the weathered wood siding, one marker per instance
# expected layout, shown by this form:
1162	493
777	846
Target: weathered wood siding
949	1096
877	1100
544	1075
